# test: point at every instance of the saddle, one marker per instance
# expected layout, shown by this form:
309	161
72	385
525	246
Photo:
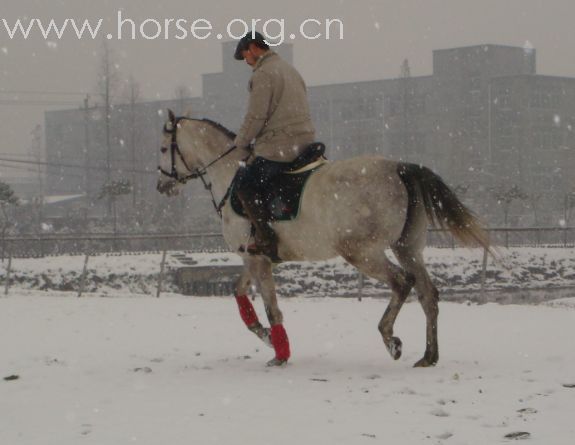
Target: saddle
285	190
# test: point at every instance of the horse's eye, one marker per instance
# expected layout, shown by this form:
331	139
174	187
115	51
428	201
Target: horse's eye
164	149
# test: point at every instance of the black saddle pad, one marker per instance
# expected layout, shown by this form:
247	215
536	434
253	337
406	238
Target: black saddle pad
284	196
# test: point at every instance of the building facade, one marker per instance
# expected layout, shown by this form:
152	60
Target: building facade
484	120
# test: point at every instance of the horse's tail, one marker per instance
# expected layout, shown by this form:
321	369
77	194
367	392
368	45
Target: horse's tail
443	208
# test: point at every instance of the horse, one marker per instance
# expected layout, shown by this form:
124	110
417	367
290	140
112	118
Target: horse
354	208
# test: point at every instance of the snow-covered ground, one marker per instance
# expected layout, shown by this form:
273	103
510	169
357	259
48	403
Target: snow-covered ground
184	370
453	270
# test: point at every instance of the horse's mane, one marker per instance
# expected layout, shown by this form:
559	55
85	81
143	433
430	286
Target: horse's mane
218	126
230	134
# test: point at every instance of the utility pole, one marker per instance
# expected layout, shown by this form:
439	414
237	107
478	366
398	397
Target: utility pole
36	149
108	78
107	114
133	98
36	152
405	84
87	178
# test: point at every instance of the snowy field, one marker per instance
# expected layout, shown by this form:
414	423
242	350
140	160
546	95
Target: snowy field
184	370
453	271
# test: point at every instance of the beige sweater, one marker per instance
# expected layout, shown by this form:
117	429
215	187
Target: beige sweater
278	114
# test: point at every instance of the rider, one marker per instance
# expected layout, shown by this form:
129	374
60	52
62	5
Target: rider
278	118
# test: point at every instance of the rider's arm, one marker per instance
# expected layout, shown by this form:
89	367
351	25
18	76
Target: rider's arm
258	108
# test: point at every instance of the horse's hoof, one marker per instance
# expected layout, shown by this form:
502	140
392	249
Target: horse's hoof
394	347
425	363
276	362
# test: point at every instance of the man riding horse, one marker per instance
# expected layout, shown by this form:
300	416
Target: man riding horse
279	120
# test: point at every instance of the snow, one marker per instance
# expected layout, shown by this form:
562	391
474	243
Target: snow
455	271
181	370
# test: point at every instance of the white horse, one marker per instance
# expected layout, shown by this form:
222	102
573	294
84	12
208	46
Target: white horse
354	208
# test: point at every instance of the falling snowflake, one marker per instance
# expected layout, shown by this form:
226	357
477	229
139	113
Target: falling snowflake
5	50
52	45
557	120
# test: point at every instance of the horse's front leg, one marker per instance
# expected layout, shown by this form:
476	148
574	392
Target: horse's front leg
247	311
261	271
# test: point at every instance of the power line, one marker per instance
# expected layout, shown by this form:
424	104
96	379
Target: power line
62	93
82	167
19	155
29	170
32	102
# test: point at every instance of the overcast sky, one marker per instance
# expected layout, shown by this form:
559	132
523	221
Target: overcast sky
378	35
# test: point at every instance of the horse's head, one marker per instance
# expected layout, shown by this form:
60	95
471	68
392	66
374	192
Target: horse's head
177	163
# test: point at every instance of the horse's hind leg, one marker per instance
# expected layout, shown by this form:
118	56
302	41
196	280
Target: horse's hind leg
247	311
428	297
261	271
400	282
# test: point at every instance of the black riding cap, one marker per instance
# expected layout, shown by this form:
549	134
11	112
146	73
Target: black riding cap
244	43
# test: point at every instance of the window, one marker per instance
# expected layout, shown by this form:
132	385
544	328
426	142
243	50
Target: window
392	105
545	97
503	98
362	108
546	138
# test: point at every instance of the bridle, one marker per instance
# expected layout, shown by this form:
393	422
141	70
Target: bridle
175	150
192	173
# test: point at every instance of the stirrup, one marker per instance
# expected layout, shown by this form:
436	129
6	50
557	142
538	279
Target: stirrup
254	249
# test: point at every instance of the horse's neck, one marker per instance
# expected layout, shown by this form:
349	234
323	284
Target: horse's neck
212	144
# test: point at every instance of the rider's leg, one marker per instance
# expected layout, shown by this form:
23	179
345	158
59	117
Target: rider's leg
251	188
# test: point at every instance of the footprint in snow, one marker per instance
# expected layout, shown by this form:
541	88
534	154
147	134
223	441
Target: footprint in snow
438	412
527	411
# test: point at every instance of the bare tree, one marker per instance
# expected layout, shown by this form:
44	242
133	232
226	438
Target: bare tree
505	195
568	207
534	201
111	191
406	107
108	86
8	200
134	95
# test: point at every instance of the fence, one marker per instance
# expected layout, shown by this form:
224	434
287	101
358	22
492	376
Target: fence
27	246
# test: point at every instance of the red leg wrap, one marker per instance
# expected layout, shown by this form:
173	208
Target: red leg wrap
280	342
247	311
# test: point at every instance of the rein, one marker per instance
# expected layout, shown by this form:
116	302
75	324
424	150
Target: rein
192	173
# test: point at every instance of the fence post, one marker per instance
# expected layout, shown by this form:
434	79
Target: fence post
483	275
83	277
360	286
8	270
161	276
41	244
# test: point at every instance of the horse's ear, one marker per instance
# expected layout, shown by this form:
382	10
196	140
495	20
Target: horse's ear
171	116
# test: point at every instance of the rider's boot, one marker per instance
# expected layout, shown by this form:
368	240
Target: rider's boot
266	241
